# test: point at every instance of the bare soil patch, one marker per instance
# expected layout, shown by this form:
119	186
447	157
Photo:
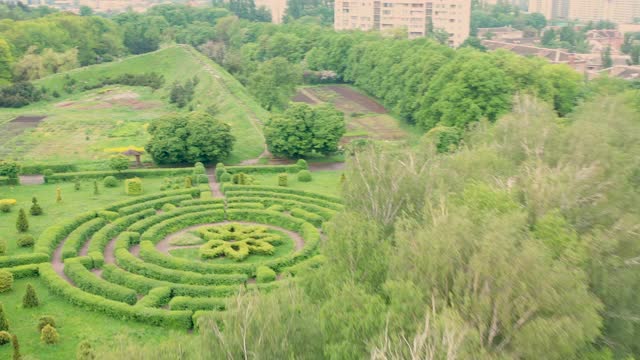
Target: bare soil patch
28	119
302	97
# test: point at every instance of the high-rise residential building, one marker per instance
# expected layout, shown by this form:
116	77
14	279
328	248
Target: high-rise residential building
618	11
418	17
551	9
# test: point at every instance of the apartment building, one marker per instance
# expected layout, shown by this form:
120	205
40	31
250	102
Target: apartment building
418	17
277	8
551	9
618	11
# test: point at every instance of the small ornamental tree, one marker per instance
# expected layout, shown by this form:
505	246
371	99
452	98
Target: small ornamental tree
49	335
85	351
16	347
30	299
187	182
282	180
22	223
58	195
76	183
4	323
6	282
5	338
44	321
119	163
35	207
96	191
11	170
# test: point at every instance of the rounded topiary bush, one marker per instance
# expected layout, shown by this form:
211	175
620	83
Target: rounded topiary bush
133	186
265	274
304	176
110	182
49	335
225	177
302	164
6	281
5	338
46	320
26	240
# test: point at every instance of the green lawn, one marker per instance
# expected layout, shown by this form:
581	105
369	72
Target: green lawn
73	203
80	126
324	182
73	324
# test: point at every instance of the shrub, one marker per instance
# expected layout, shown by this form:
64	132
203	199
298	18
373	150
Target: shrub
58	195
49	335
46	320
110	182
265	274
282	179
11	170
5	338
30	299
118	163
195	194
225	177
26	240
220	170
16	347
198	169
240	179
35	207
6	204
85	351
96	191
188	183
4	322
6	281
133	186
22	223
304	176
3	246
76	183
302	164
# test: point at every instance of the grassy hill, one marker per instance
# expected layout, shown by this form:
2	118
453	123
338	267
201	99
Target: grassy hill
79	126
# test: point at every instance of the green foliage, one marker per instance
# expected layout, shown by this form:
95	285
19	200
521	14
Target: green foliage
85	351
302	164
225	178
168	207
444	138
265	274
5	338
6	281
118	163
18	95
25	240
304	176
303	130
11	170
180	94
4	322
274	82
282	180
133	186
195	137
35	209
110	182
46	320
30	299
22	223
49	335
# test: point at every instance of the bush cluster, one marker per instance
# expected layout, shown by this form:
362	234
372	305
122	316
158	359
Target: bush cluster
49	335
7	204
19	94
5	337
45	320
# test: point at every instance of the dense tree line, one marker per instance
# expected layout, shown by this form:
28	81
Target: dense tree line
426	83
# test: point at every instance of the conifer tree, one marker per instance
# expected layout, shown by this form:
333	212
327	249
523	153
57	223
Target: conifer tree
4	323
85	351
49	335
76	183
22	224
96	191
35	207
30	299
16	347
58	195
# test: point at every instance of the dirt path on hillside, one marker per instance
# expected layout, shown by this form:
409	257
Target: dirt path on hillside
58	264
252	116
213	183
31	179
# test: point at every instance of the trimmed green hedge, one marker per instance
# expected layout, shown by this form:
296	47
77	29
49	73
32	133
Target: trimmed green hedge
325	213
79	236
196	202
144	224
144	285
267	169
23	271
93	284
23	259
158	231
156	297
197	303
53	235
152	204
265	274
140	199
128	262
285	196
141	173
40	168
152	316
310	217
282	190
245	205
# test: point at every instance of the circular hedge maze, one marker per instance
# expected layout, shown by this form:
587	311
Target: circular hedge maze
166	258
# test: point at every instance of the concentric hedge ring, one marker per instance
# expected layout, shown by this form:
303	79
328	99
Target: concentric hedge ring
108	260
